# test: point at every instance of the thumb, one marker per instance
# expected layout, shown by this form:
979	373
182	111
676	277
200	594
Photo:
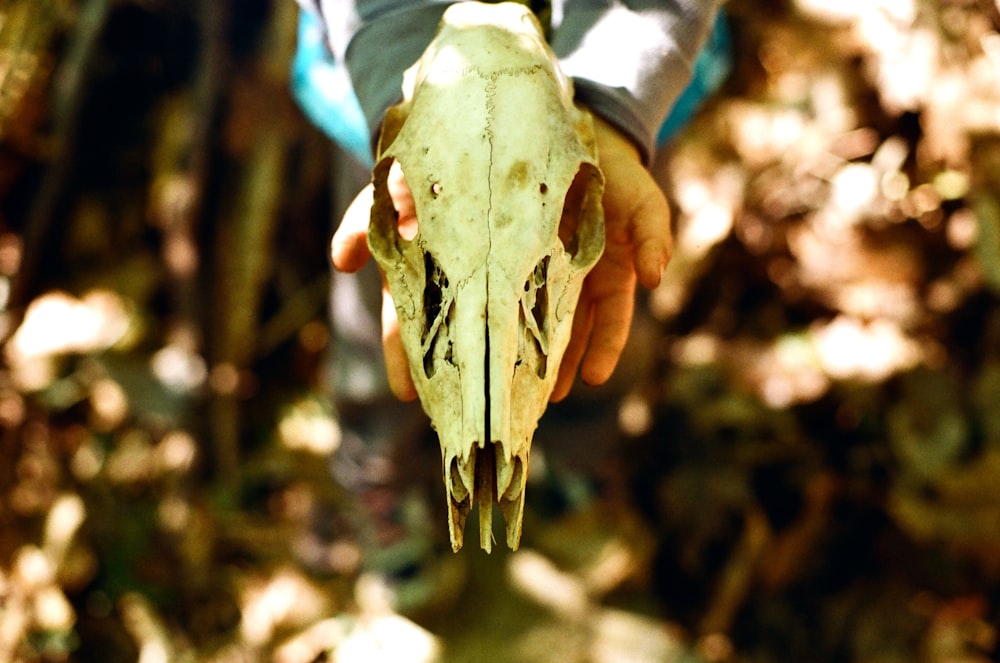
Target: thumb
349	247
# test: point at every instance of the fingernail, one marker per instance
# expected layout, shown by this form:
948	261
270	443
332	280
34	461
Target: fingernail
664	261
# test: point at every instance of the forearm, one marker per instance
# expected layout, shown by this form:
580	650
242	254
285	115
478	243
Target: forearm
383	48
630	62
629	59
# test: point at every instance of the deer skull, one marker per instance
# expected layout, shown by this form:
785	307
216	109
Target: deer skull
507	192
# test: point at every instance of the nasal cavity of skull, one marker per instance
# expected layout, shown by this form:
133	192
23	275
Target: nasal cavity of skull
439	309
574	209
534	311
402	201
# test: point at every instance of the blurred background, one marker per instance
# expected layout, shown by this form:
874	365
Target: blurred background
807	467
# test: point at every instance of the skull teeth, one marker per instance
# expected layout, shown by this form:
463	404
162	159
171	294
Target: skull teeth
511	498
486	476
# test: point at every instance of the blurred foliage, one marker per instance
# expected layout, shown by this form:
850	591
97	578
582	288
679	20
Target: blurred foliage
809	471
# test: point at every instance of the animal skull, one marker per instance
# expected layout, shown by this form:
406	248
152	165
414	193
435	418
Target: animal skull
503	170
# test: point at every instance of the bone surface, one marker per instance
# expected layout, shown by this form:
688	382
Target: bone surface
507	191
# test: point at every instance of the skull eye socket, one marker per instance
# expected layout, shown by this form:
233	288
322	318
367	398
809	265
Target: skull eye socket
402	200
581	237
393	202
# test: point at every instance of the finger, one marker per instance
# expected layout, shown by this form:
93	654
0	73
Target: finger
582	322
397	368
635	208
349	247
651	236
612	319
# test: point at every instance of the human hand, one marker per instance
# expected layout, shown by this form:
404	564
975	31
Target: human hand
349	251
637	247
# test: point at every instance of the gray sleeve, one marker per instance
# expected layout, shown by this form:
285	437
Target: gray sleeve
390	37
630	59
